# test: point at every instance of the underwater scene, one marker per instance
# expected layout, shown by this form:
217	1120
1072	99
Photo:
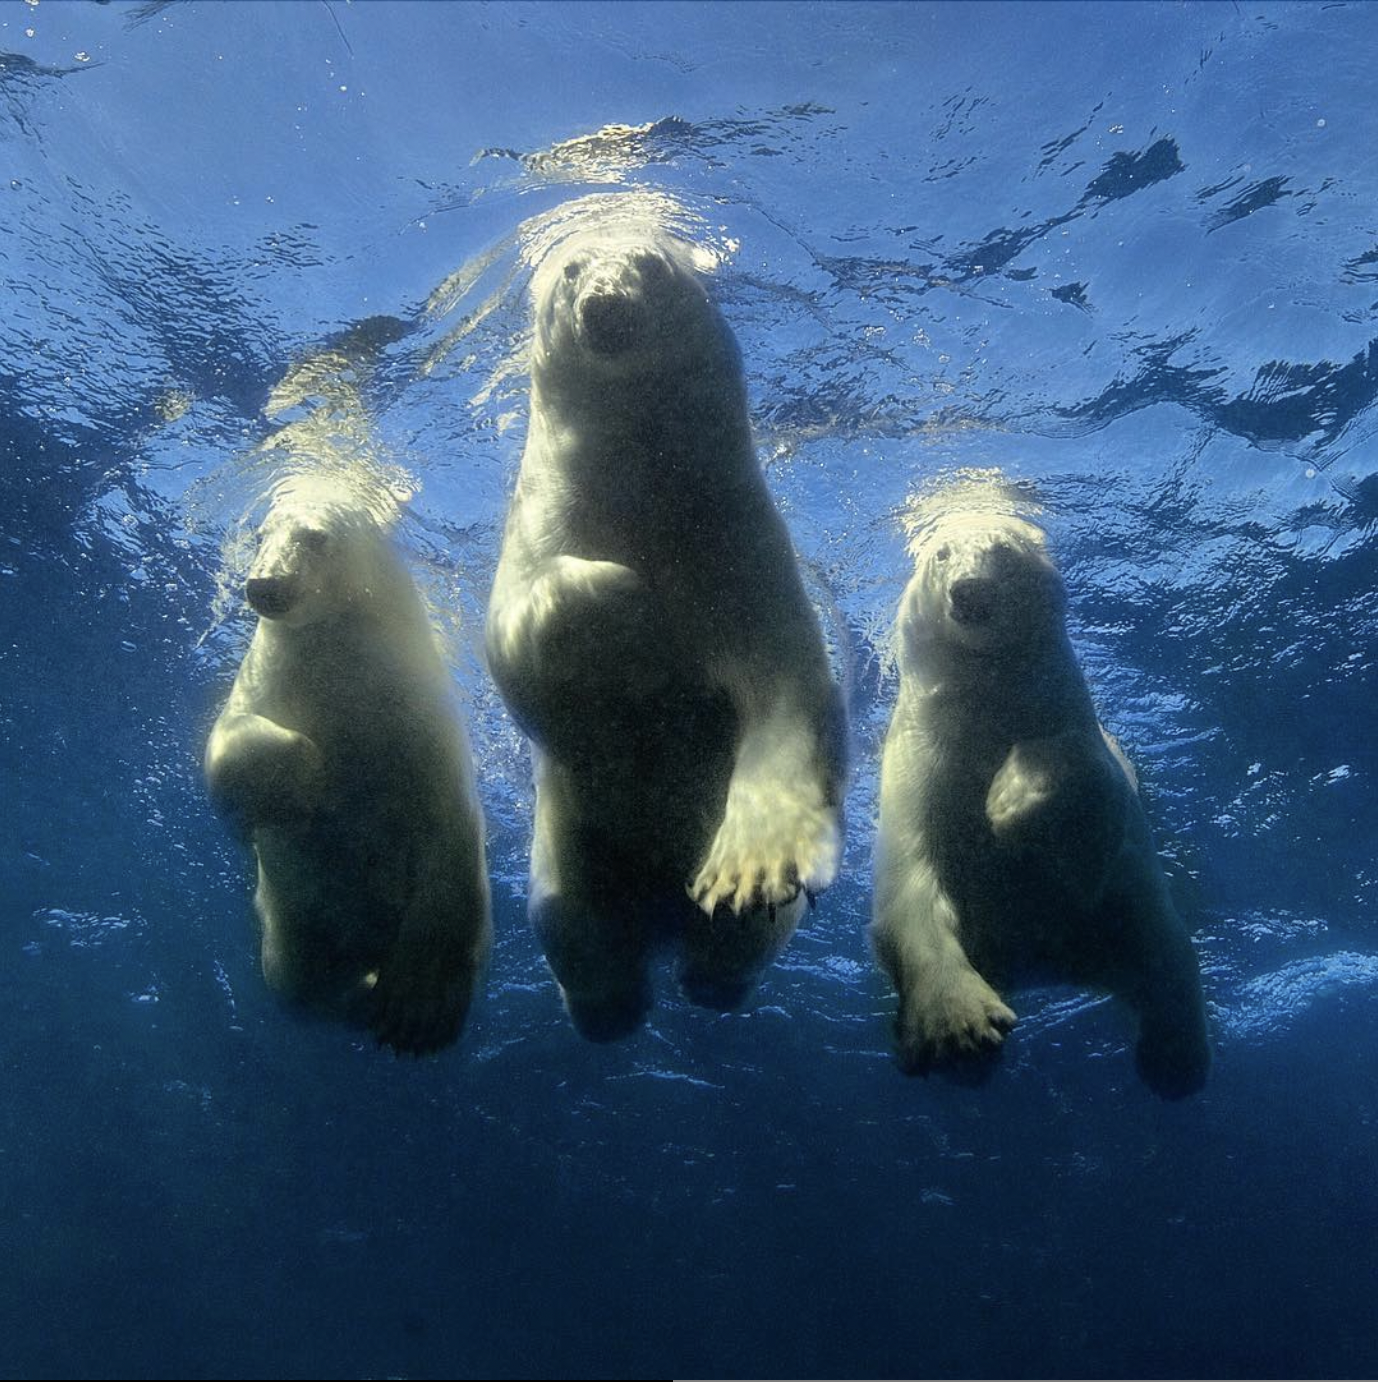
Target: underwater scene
687	689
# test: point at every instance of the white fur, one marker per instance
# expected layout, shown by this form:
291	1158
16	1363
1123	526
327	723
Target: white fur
1012	839
340	758
650	633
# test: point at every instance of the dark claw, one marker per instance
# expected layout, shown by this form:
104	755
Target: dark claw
812	897
770	911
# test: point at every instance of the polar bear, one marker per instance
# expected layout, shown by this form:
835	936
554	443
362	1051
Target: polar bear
339	756
649	631
1012	841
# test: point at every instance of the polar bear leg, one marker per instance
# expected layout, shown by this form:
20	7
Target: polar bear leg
779	835
257	770
419	996
1064	800
724	954
948	1014
578	636
584	908
1157	974
301	963
601	962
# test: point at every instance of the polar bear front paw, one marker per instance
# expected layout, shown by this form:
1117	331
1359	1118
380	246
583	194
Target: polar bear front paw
1023	786
774	843
964	1023
261	772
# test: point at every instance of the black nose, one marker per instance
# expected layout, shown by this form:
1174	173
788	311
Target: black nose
271	596
973	600
609	321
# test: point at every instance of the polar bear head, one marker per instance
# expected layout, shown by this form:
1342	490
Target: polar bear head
321	550
983	584
621	304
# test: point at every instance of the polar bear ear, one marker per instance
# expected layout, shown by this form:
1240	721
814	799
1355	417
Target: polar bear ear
400	493
653	265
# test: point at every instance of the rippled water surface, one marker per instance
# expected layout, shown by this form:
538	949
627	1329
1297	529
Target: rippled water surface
1126	254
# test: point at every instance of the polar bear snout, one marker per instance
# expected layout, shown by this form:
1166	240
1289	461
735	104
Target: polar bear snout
609	321
287	568
973	600
272	597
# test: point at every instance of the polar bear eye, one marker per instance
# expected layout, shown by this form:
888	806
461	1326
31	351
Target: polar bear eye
313	539
573	269
942	554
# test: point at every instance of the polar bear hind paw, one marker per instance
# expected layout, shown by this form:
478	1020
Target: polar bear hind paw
607	1018
1174	1065
413	1015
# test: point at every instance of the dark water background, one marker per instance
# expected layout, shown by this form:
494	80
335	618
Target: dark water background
1126	253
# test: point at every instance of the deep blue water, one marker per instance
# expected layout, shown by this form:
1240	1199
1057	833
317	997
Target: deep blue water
1126	253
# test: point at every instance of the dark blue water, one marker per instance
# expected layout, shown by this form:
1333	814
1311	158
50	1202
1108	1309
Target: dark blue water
1127	254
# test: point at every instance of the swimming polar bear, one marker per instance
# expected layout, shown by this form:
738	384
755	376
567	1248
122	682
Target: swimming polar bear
1012	839
339	756
649	632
